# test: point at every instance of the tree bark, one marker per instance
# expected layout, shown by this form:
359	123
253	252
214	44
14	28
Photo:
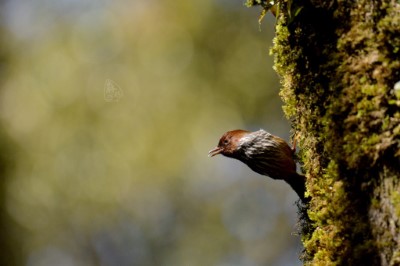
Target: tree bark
339	62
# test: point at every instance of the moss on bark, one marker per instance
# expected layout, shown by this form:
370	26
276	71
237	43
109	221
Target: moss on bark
339	62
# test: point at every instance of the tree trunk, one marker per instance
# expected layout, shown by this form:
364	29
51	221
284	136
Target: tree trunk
339	62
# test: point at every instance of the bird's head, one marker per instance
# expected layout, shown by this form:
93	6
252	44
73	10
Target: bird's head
229	143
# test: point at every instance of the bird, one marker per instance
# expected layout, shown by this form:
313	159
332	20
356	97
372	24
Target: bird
265	154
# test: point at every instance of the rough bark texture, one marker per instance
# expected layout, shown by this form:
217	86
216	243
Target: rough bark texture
339	62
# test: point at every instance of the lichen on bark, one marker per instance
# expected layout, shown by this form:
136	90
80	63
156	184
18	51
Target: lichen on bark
338	62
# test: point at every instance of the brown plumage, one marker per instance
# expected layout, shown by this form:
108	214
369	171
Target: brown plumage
264	153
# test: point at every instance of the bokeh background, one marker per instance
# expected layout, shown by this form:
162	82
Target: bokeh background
108	110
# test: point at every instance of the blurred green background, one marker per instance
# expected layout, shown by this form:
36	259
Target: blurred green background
108	110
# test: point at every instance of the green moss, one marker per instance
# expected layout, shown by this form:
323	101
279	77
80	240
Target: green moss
396	202
338	64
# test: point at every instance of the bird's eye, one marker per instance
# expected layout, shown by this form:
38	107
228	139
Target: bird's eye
226	141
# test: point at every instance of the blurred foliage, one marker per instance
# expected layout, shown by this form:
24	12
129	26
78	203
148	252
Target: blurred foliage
128	181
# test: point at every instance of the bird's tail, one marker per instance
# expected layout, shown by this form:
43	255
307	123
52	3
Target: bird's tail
298	183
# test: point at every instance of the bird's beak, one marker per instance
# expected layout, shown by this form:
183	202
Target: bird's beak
215	151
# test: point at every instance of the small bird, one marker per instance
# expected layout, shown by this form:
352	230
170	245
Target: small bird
264	153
